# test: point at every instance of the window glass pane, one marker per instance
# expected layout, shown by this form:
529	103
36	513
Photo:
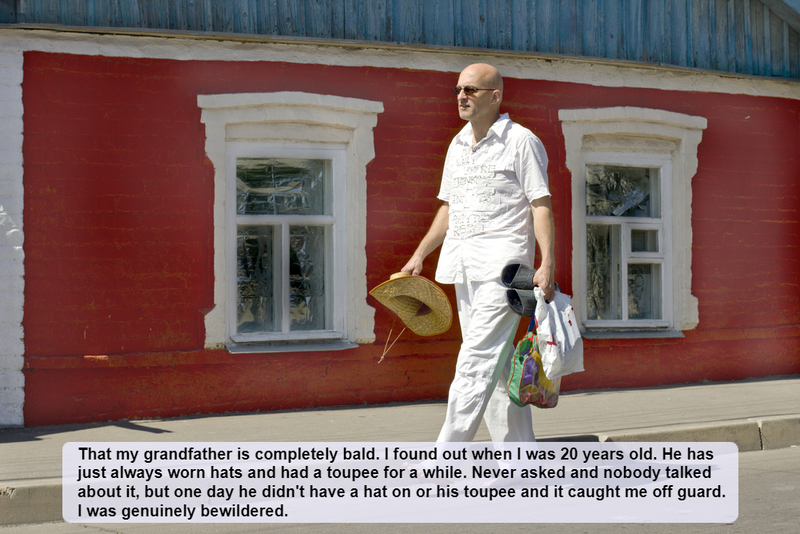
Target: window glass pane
644	240
644	291
603	290
307	277
622	191
281	186
258	305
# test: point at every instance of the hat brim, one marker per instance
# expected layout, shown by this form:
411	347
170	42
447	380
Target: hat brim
419	303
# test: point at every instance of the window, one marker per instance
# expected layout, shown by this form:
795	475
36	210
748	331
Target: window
627	228
289	228
289	220
631	213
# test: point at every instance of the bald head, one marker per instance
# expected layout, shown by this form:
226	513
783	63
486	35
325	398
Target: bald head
482	106
488	76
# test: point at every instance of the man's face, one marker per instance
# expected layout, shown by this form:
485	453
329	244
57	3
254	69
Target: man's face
479	105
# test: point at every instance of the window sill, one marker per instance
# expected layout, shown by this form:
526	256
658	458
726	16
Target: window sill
630	334
289	346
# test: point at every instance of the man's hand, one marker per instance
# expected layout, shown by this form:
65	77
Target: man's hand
544	228
544	279
414	266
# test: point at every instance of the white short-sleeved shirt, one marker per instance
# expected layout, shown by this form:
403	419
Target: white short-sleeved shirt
489	189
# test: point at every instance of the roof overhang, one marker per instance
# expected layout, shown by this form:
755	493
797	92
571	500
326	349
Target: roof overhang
788	10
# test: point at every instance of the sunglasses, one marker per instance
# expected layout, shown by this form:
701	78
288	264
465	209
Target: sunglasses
468	90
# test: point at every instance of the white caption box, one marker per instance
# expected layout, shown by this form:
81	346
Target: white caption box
400	482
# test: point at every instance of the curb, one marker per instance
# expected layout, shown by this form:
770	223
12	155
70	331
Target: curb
746	435
779	432
40	501
758	434
755	434
31	502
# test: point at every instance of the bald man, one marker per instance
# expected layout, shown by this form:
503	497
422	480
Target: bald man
496	200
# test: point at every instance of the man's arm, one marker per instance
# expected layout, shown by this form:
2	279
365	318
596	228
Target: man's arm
432	239
544	228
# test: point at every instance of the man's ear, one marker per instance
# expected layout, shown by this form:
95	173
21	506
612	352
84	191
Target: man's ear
497	97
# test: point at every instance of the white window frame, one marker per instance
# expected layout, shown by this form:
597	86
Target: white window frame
335	255
631	135
626	255
255	123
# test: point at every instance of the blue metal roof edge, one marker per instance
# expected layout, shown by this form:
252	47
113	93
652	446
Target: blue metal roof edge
788	10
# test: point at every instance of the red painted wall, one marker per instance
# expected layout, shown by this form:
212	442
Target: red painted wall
118	238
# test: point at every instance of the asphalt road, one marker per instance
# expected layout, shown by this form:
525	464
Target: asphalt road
769	503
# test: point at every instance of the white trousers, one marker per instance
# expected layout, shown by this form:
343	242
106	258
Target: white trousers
480	386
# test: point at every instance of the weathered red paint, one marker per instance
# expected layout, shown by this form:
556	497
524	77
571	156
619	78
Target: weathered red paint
118	238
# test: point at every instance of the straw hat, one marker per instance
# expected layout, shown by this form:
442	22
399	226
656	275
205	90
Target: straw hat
421	305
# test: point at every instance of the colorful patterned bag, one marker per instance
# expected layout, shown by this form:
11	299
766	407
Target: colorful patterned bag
528	383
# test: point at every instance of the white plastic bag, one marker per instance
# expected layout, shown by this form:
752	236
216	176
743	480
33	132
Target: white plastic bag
558	336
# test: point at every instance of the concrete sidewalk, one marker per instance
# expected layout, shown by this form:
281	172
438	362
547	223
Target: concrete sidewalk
754	414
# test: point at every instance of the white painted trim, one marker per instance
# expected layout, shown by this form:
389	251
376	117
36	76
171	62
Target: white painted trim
633	131
524	66
12	267
293	119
